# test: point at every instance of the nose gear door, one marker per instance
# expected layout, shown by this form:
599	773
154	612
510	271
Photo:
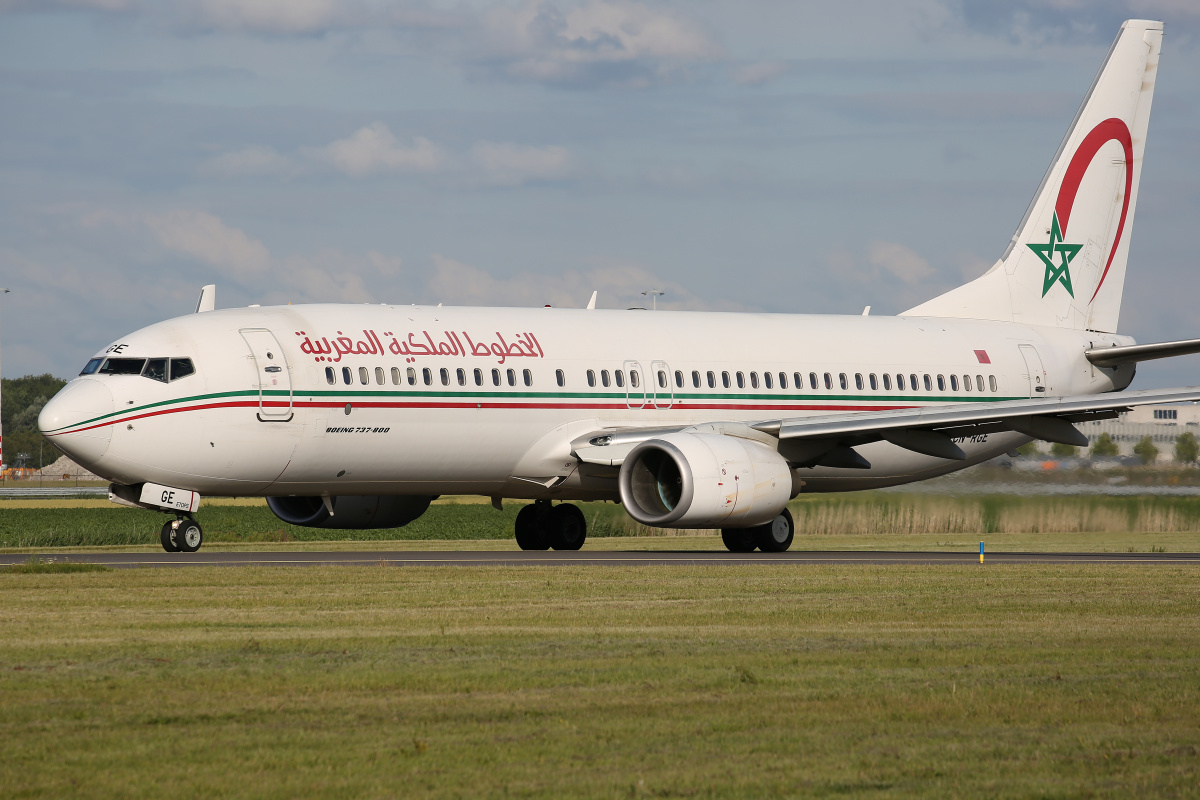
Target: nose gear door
272	377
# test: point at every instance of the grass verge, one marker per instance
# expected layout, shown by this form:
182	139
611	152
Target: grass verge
648	681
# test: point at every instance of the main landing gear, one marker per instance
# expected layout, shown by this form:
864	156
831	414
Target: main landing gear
773	537
182	535
541	526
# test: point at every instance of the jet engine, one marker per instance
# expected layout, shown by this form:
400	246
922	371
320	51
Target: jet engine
349	511
690	480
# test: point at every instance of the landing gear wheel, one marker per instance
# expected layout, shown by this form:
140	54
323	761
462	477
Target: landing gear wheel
566	527
167	536
531	528
776	536
739	540
189	536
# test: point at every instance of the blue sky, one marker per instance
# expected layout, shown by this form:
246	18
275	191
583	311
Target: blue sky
758	155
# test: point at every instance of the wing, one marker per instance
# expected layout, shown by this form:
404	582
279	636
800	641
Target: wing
830	439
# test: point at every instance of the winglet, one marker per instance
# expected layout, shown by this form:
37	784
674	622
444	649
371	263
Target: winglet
208	298
592	303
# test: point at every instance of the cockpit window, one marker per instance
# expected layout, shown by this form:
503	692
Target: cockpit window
92	366
123	366
156	370
181	368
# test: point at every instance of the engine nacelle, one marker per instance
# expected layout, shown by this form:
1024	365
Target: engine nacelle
350	511
692	480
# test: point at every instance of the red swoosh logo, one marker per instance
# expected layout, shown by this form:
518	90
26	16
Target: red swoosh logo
1107	131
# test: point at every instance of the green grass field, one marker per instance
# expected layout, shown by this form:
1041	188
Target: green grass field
822	521
765	681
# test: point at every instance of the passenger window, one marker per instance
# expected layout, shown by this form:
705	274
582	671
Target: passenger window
887	382
712	380
941	384
604	379
620	376
591	376
347	376
363	376
858	381
560	378
828	381
395	376
767	380
427	375
845	384
461	374
662	379
412	377
478	377
379	375
445	376
928	384
156	370
635	379
181	368
874	381
741	381
992	383
495	377
695	379
783	379
528	376
725	379
753	380
812	380
912	382
512	377
91	366
967	383
979	382
954	383
330	376
678	379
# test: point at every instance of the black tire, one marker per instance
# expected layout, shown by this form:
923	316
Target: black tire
566	527
167	536
189	536
776	536
739	540
531	528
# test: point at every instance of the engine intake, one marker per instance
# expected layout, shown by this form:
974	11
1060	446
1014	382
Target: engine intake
691	480
350	511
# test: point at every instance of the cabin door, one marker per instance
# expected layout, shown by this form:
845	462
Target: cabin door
272	377
1034	371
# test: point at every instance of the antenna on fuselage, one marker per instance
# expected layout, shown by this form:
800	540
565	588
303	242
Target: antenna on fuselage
208	298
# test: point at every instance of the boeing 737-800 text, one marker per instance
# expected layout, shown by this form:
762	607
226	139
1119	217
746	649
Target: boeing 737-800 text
358	416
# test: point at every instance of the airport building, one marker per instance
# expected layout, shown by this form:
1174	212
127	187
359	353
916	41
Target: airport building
1163	424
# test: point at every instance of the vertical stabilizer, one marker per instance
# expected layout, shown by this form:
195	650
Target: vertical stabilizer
1065	265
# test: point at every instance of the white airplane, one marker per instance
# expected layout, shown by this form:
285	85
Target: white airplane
357	416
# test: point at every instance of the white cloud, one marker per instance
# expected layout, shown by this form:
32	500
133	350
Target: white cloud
600	42
511	164
900	261
375	149
209	240
267	16
253	160
759	73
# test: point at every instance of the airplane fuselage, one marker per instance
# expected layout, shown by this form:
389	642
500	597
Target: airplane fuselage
384	399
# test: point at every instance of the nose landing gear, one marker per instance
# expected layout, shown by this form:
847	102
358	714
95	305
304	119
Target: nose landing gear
182	535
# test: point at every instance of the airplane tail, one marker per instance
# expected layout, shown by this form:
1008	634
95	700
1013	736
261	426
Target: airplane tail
1065	265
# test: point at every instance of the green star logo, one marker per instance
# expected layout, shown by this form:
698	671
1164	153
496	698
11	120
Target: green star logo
1060	273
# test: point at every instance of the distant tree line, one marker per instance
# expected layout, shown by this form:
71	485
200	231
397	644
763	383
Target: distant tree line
1187	449
21	400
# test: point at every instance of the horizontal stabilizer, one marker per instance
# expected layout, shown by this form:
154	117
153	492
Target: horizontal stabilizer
1132	354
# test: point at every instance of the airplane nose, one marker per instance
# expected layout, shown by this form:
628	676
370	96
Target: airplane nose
72	420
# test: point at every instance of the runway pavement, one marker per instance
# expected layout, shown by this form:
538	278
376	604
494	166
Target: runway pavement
491	558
